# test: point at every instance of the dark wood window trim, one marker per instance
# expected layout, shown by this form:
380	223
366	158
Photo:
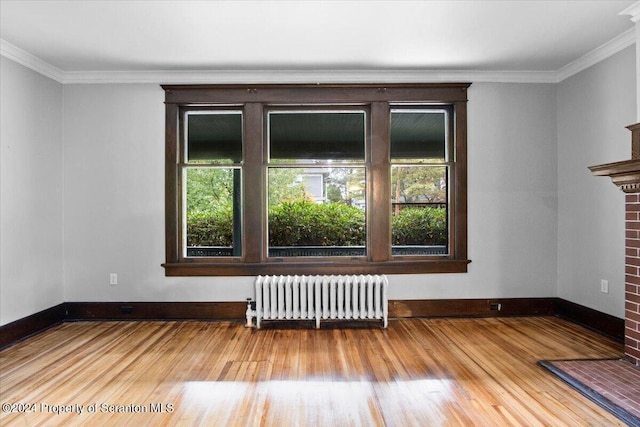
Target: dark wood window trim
253	99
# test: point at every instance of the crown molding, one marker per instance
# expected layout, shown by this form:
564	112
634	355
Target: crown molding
613	46
634	11
30	61
316	76
306	76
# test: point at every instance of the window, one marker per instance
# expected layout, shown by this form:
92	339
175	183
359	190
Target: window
420	169
310	150
211	170
315	179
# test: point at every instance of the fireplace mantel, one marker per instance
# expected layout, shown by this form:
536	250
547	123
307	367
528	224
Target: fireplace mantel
624	174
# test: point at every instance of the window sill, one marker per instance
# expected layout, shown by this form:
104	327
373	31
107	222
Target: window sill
331	267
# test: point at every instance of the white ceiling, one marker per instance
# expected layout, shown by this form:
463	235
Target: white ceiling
189	40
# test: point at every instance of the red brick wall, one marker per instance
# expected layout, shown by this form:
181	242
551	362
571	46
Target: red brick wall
632	279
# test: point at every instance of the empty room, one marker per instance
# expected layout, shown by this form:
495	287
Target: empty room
320	213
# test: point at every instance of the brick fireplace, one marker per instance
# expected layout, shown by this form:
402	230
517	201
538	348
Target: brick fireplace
632	278
626	175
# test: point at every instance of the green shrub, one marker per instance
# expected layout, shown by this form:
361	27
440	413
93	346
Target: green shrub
304	223
210	228
420	226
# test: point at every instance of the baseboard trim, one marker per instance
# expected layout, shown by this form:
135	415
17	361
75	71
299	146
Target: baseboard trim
236	310
497	307
595	320
20	329
472	307
156	310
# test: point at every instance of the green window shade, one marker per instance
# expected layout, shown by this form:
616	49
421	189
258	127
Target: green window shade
418	135
300	136
214	137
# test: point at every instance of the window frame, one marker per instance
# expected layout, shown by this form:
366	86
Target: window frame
254	101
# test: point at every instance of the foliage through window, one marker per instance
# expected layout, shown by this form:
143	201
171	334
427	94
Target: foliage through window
315	179
312	152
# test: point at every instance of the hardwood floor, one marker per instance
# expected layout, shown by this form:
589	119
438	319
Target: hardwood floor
418	372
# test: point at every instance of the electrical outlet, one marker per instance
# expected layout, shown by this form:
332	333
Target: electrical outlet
604	286
113	279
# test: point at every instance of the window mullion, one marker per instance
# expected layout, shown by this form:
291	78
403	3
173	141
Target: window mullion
379	212
253	195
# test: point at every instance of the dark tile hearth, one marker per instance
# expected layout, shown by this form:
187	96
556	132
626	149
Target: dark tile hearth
613	384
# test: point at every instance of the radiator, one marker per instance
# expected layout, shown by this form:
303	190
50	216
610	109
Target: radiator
348	297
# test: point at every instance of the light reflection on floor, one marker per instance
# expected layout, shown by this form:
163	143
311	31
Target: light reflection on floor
350	401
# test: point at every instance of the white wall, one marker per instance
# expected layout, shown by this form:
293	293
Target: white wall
594	107
31	246
114	198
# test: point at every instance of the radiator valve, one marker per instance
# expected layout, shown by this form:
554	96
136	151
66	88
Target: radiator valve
250	314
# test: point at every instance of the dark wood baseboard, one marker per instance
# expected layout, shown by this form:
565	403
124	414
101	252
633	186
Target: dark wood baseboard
598	321
234	310
30	325
472	307
156	310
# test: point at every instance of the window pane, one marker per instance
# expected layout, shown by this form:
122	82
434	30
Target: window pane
317	212
316	135
213	215
214	137
419	222
418	135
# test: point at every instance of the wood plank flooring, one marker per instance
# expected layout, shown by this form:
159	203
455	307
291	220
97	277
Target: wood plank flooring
418	372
